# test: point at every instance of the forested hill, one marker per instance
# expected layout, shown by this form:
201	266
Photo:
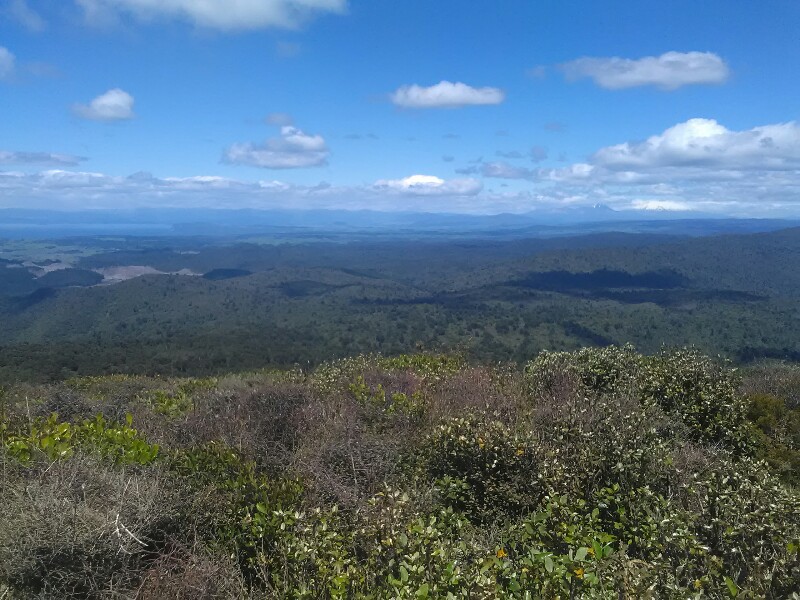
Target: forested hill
762	263
199	306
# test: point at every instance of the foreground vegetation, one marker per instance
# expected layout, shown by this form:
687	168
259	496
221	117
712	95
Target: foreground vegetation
591	474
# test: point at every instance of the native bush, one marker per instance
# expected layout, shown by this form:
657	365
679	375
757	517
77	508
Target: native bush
595	474
482	466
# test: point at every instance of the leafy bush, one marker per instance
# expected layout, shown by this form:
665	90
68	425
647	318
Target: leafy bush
702	393
482	467
776	435
685	383
55	439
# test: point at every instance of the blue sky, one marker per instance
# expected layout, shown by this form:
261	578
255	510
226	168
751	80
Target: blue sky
459	106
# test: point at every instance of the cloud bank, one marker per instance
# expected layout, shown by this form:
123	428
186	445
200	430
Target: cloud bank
430	185
669	71
65	189
697	165
446	94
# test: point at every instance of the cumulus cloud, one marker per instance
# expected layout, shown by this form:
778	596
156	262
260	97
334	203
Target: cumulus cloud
698	150
113	105
227	15
706	143
669	71
292	149
40	158
699	165
7	63
430	185
445	94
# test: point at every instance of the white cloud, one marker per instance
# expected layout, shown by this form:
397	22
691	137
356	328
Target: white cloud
697	150
445	94
669	71
75	189
774	194
430	185
7	63
292	149
226	15
707	144
696	165
114	105
39	158
23	14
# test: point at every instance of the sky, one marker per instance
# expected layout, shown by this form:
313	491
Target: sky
461	106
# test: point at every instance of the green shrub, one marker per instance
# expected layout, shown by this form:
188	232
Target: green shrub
397	403
685	383
482	467
776	435
55	439
702	393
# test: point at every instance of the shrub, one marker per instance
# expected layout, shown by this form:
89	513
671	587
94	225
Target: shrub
702	393
80	528
56	439
482	467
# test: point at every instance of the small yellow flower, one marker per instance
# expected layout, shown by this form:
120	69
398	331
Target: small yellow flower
520	451
579	573
501	553
590	551
698	584
481	443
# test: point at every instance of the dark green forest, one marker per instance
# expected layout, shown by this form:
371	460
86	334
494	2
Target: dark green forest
203	306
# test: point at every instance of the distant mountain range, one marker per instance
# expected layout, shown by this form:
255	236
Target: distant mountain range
22	223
